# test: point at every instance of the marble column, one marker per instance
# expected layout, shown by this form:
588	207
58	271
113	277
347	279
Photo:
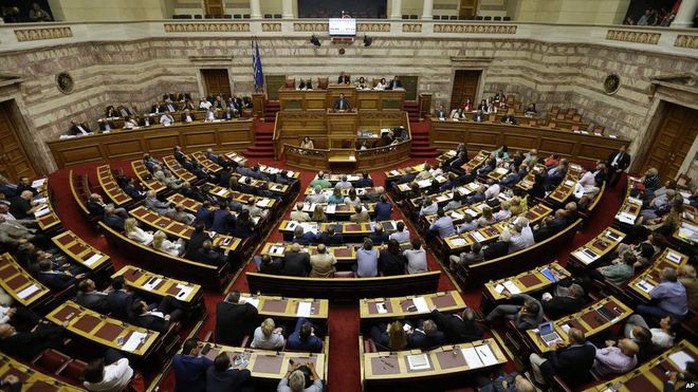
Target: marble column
287	9
687	11
427	11
396	9
255	9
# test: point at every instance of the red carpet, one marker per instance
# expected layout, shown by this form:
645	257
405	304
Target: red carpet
344	321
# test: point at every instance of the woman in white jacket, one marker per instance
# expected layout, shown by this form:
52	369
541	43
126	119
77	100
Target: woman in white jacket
161	243
136	233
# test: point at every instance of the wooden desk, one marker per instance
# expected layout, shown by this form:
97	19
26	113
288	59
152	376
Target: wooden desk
588	320
349	230
47	219
19	285
180	230
597	248
283	307
445	360
271	186
642	284
203	161
31	379
160	285
406	186
395	174
294	175
650	376
475	162
177	169
343	253
82	252
291	99
145	177
342	160
108	184
157	140
526	282
338	211
490	135
270	365
630	209
446	156
239	159
362	193
687	233
243	198
398	307
101	329
189	204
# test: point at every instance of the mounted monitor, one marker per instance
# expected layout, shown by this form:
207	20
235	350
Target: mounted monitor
342	27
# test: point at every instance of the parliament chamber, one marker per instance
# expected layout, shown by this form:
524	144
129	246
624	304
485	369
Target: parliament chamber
303	195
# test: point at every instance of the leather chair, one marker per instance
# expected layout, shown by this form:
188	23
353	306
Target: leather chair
290	83
323	83
51	361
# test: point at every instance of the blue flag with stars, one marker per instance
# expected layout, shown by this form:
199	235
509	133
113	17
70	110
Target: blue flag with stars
258	75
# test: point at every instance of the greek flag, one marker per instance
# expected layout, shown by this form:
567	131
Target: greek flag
257	73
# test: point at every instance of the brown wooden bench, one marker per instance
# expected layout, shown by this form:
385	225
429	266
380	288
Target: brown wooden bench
344	289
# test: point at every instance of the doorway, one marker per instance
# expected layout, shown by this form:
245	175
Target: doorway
465	85
14	162
672	140
216	82
213	8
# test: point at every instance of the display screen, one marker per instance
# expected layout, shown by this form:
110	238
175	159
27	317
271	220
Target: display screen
343	26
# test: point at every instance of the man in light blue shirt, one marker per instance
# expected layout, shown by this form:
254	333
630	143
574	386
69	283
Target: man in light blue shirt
443	225
343	183
668	298
367	260
402	234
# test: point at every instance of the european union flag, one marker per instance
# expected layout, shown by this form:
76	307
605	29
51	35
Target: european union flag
258	75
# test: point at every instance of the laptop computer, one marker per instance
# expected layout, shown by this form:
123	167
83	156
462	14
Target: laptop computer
548	334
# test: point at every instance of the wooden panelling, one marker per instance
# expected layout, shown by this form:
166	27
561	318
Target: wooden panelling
558	146
132	144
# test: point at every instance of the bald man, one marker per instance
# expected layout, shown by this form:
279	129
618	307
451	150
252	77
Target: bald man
571	360
616	358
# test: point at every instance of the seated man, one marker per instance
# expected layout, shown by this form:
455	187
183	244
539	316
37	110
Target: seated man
458	328
153	203
416	258
190	368
96	206
360	214
89	297
528	316
343	183
367	260
330	237
522	237
209	254
379	236
56	280
302	237
425	335
27	345
401	235
475	255
322	263
443	225
303	338
317	196
234	319
669	298
23	207
158	317
572	361
616	359
564	302
295	262
298	215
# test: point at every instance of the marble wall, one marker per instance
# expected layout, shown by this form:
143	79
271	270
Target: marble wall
140	70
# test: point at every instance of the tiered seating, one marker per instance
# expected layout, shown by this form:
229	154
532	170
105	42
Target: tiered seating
160	285
410	306
32	379
20	285
80	189
145	177
109	186
352	232
177	169
46	217
596	248
82	253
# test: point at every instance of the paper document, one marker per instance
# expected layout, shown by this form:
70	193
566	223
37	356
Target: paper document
252	301
38	183
222	192
28	291
499	288
635	201
151	284
330	209
680	358
479	237
458	242
93	259
645	286
673	257
421	304
424	183
134	341
41	200
486	355
471	212
312	227
569	183
418	362
290	174
511	287
380	306
624	217
276	250
264	203
471	358
184	291
501	170
304	309
583	257
457	216
42	212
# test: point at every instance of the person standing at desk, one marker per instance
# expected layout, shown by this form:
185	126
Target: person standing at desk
341	103
617	163
343	79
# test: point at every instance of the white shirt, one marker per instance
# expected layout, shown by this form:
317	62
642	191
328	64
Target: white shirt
521	241
116	377
661	338
166	119
205	105
400	236
492	192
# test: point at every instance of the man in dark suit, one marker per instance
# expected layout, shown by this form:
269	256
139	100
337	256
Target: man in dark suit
458	328
302	237
499	248
341	103
196	241
158	317
204	215
394	84
221	377
303	338
234	320
120	299
343	79
27	345
25	184
190	368
617	163
223	221
295	262
208	254
79	129
269	265
440	112
426	336
22	206
572	362
89	297
113	220
56	280
569	300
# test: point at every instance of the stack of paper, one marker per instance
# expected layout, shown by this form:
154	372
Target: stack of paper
478	237
418	362
380	306
263	202
42	212
151	284
249	300
583	257
424	183
471	212
304	309
458	242
624	217
486	355
330	208
681	358
38	183
635	201
673	257
645	286
421	304
511	287
222	192
93	259
499	289
457	216
134	341
471	357
184	290
28	291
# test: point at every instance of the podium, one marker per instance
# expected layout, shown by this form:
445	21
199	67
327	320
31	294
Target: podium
342	160
341	128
